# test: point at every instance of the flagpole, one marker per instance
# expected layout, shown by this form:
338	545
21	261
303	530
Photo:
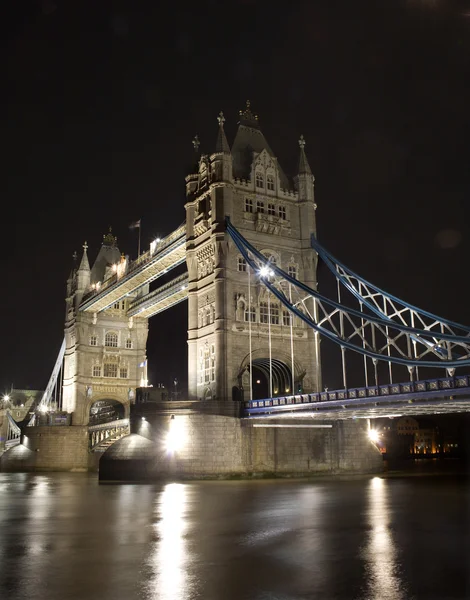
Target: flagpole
140	226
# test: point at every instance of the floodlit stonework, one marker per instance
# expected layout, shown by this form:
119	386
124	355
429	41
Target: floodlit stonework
105	353
246	183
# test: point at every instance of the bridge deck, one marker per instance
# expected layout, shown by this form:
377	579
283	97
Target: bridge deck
445	395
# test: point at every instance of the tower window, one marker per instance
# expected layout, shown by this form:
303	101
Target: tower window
286	318
292	271
128	343
263	312
248	205
96	371
241	264
271	209
282	212
274	314
110	370
123	372
93	340
250	314
260	207
111	340
259	181
270	182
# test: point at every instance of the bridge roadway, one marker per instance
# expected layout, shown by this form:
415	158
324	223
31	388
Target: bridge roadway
429	397
168	254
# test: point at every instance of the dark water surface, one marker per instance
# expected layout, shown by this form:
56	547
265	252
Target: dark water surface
64	536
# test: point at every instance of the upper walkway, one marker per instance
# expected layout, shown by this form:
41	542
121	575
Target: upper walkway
168	254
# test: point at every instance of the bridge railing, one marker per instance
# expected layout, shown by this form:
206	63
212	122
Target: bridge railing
394	389
97	434
13	437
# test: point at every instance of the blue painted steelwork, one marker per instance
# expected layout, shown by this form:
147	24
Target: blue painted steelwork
428	389
332	263
436	343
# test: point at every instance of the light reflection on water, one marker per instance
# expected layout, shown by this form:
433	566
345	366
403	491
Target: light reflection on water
381	555
66	537
169	579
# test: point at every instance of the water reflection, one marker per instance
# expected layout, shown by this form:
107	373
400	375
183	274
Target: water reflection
384	579
168	563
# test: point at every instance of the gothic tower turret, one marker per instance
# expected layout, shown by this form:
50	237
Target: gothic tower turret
227	314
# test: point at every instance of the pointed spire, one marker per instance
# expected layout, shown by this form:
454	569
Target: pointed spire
196	143
304	167
222	144
84	264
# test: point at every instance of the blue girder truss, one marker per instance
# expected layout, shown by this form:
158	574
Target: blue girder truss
384	328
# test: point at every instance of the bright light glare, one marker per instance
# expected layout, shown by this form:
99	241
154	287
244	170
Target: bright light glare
158	240
374	435
176	436
42	408
6	397
264	271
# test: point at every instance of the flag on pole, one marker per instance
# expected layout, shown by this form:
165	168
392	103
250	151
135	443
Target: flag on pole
143	364
135	225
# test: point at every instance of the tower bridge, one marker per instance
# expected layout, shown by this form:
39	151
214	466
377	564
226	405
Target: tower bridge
255	315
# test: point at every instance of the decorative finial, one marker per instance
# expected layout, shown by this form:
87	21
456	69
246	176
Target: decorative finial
221	119
302	142
75	256
85	246
109	239
196	143
247	115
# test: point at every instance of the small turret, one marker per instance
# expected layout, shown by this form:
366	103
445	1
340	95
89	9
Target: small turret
221	160
82	276
192	177
304	181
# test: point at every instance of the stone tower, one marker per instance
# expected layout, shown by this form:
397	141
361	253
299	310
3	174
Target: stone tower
105	353
277	216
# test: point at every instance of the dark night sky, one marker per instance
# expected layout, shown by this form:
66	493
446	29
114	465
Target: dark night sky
102	99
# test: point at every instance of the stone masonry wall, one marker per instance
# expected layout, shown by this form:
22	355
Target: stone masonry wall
49	449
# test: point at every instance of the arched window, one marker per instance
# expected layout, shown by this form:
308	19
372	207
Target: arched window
111	340
292	270
259	180
282	212
123	372
270	182
271	210
128	343
96	371
260	207
93	340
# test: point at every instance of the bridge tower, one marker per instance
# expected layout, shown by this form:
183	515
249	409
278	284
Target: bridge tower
105	353
277	215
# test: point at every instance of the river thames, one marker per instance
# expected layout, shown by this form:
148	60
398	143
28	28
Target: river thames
64	536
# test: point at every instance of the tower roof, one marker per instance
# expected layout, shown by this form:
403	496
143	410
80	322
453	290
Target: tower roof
304	167
222	144
108	255
248	140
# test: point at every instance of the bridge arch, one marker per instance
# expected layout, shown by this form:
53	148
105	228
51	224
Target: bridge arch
281	368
